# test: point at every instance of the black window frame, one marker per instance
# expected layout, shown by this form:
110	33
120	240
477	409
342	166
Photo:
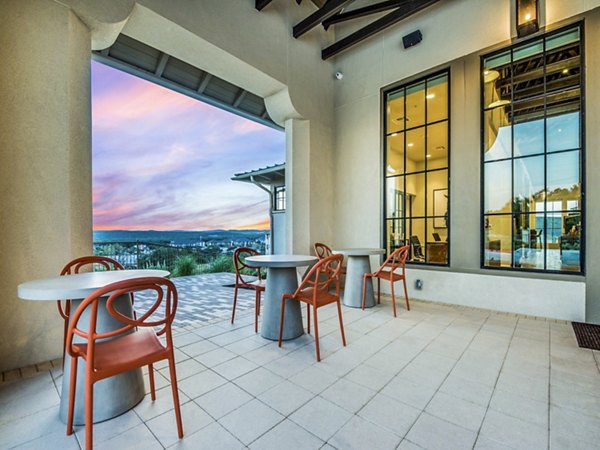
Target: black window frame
279	196
582	151
384	93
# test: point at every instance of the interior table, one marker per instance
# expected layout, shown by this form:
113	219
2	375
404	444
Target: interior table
112	396
281	279
358	264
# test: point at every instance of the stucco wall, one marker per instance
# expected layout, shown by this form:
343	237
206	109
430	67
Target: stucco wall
454	35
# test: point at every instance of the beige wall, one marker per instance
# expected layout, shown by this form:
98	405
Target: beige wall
454	35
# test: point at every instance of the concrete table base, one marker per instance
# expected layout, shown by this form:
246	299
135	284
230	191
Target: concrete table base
281	281
112	396
355	270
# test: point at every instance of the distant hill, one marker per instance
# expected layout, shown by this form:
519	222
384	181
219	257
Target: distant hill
177	236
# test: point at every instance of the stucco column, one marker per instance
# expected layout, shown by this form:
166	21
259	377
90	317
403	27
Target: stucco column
45	175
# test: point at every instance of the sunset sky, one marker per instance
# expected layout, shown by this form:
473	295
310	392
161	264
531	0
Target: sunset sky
163	161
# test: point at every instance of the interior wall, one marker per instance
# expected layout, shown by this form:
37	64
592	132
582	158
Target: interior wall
454	35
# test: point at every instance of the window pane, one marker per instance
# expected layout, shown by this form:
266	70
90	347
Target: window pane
395	111
563	132
528	51
563	102
563	180
528	241
564	241
497	241
415	105
415	189
415	150
395	154
437	98
437	196
394	197
415	229
395	235
437	146
436	250
562	39
528	183
529	137
497	134
497	191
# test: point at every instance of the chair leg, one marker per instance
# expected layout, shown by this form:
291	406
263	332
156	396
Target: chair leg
256	310
173	376
152	386
235	292
339	308
317	335
393	298
281	321
308	318
66	327
364	291
378	291
406	294
72	386
89	409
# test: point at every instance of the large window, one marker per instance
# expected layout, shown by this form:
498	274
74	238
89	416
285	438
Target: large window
416	168
532	154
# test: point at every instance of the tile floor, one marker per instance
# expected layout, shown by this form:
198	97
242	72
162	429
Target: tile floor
437	377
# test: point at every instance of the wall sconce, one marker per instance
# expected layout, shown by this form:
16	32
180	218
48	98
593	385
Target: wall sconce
527	17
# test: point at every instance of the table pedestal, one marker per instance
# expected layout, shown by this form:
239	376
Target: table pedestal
112	396
355	270
281	281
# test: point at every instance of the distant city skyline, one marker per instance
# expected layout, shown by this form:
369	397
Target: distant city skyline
163	161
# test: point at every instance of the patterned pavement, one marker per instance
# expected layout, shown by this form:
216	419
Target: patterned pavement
203	298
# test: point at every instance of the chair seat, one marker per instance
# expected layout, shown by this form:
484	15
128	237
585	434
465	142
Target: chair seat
259	285
116	353
387	275
323	298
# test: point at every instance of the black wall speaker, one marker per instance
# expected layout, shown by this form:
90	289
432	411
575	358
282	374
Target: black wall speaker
412	39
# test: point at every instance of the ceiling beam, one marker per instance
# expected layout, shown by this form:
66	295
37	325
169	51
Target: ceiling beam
162	63
375	27
329	9
364	11
260	4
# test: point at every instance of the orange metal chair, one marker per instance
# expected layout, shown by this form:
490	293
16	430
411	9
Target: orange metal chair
314	291
239	256
323	251
387	271
74	267
129	347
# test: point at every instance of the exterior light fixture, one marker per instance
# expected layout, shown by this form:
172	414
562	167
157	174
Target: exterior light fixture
527	17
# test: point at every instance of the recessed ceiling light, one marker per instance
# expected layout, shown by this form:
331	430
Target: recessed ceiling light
410	144
565	71
428	156
430	96
394	134
390	169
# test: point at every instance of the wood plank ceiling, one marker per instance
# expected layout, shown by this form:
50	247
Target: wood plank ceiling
331	12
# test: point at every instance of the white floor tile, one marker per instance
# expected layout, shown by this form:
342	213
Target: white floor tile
286	397
223	400
390	414
360	434
287	435
321	417
250	421
436	434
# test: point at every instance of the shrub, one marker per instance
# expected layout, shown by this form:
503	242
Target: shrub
185	266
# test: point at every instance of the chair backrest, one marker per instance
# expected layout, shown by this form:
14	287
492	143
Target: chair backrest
164	306
102	261
397	259
239	262
322	250
322	275
416	245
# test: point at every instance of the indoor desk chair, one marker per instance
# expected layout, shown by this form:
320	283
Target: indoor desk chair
75	266
135	344
314	291
387	271
258	285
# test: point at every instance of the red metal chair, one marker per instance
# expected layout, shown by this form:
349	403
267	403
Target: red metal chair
323	251
75	267
239	256
314	291
387	271
129	347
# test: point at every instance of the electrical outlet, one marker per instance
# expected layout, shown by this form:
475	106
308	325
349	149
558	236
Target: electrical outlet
419	284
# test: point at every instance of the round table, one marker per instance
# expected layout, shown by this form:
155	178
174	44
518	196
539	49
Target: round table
358	264
281	279
112	396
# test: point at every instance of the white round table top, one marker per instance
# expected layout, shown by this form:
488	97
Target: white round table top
78	285
360	251
281	261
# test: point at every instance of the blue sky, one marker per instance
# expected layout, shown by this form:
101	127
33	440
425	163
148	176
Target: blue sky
163	161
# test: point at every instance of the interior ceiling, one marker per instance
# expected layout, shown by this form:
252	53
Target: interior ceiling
137	58
331	12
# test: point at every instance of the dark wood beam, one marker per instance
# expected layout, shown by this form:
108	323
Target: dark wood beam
373	28
329	9
365	11
260	4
